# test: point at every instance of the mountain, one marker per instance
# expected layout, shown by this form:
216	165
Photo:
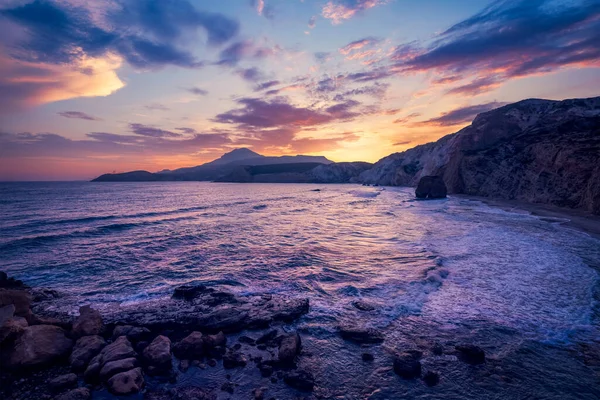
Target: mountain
214	170
539	151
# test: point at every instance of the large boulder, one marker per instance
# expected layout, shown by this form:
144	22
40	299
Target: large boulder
126	383
431	187
158	355
85	349
289	348
88	323
191	347
39	345
19	298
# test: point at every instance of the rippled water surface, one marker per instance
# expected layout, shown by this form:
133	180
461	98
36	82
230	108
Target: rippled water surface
437	271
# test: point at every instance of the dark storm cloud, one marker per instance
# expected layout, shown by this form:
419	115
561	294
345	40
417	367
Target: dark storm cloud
146	33
78	115
461	115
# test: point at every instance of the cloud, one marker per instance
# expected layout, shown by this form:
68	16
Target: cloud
266	85
78	115
259	5
478	86
197	91
407	118
245	49
146	130
156	31
250	74
312	22
461	115
157	107
359	44
339	10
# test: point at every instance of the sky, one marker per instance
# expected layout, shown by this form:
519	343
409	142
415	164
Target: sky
93	87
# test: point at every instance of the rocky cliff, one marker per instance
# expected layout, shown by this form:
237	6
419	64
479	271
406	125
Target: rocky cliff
539	151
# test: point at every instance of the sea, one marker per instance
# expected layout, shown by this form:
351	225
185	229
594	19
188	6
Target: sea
451	271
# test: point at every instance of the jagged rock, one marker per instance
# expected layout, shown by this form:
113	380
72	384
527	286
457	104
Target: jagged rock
361	334
289	348
407	365
191	347
63	382
88	323
10	283
133	333
19	298
300	379
158	355
85	349
233	359
431	187
75	394
39	345
471	354
431	378
126	383
114	367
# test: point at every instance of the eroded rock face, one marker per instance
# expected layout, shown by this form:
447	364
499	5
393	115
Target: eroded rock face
88	323
39	345
431	187
85	349
126	383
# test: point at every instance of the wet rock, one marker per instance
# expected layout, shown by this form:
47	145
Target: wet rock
75	394
85	349
300	380
361	334
20	299
126	383
438	349
39	345
431	378
6	313
192	346
63	382
44	294
367	357
259	393
133	333
118	350
33	319
407	365
114	367
431	187
363	305
247	340
188	292
214	341
267	337
88	323
289	348
158	354
233	359
471	354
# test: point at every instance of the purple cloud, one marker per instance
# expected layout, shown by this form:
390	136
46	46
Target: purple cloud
78	115
145	130
461	115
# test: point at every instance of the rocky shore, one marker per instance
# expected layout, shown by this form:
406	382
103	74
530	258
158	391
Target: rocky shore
147	350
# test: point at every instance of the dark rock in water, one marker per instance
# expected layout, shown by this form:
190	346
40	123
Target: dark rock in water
158	355
188	292
300	379
88	323
228	387
431	187
367	357
191	347
133	333
10	283
431	378
438	349
361	334
233	359
19	298
407	365
289	348
85	349
63	382
75	394
471	354
212	362
126	383
267	337
247	340
363	305
112	368
39	345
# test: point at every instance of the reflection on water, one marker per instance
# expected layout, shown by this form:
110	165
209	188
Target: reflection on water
435	271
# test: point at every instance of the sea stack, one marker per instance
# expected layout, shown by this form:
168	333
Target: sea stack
431	187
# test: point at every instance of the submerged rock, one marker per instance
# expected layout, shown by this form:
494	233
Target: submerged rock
407	365
363	305
39	345
85	349
471	354
361	334
431	187
367	357
126	383
289	348
88	323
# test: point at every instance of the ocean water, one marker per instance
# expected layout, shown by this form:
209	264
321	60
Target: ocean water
447	271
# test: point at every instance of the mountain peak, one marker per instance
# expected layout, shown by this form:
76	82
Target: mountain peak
242	153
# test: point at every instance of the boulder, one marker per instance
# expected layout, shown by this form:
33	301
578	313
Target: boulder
126	383
289	348
85	349
133	333
63	382
431	187
361	334
88	323
114	367
75	394
407	365
158	354
117	350
20	299
39	345
213	341
300	380
471	354
191	347
12	329
6	313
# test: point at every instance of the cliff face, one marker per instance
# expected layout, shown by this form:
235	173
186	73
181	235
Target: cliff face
343	172
538	151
